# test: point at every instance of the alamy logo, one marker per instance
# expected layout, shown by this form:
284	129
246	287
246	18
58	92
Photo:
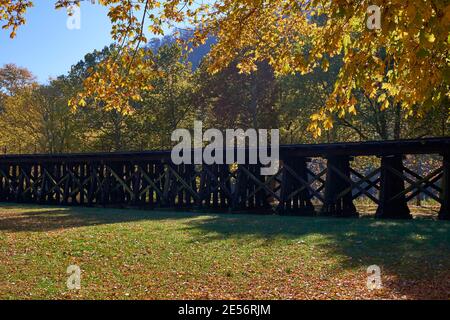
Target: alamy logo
229	149
74	18
74	279
374	277
373	17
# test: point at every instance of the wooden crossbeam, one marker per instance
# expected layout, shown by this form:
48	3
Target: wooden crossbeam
219	183
306	183
185	185
414	184
79	183
357	184
122	182
419	177
152	184
429	183
258	182
261	187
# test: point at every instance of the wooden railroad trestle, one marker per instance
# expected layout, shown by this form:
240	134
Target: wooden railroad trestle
151	180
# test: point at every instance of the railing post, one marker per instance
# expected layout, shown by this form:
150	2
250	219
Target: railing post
338	201
2	181
91	186
224	174
392	202
444	213
235	190
14	183
20	183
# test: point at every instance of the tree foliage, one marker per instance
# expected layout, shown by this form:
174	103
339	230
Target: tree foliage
403	65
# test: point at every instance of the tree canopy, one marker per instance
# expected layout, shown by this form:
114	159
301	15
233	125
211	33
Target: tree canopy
404	64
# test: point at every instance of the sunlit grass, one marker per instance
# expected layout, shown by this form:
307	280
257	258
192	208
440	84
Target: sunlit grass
127	254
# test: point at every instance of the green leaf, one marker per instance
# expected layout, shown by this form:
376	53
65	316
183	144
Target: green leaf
446	74
422	53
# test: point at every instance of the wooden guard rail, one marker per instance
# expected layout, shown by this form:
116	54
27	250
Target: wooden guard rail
150	180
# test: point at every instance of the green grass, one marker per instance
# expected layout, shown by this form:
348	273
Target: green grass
130	254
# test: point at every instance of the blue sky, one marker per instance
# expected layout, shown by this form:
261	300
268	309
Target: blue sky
47	47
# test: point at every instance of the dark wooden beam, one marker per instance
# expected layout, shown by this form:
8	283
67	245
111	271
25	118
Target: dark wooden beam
444	212
392	202
337	202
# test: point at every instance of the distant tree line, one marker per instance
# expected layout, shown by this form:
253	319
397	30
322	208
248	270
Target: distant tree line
37	118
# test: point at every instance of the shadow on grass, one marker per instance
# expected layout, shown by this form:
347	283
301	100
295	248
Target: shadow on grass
35	218
415	253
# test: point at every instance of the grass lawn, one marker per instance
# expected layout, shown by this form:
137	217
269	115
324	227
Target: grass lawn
130	254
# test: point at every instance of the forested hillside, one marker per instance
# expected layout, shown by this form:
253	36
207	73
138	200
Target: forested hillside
37	118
